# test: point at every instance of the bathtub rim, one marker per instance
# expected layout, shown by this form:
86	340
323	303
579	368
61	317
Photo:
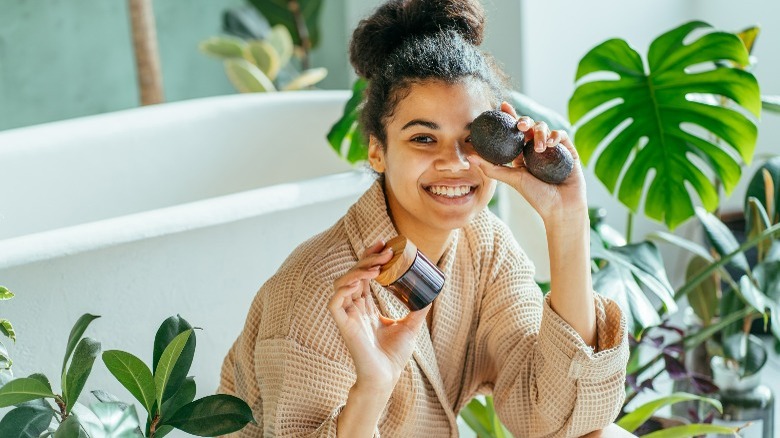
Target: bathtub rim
225	209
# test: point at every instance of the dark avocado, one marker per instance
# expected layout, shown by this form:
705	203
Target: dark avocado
496	138
552	166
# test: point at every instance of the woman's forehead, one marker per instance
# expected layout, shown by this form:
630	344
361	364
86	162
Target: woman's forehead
438	100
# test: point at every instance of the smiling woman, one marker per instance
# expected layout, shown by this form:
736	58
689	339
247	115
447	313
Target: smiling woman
342	356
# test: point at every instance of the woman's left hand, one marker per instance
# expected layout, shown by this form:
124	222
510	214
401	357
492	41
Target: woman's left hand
553	202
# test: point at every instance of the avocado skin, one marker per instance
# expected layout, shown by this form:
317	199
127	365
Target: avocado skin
552	166
495	137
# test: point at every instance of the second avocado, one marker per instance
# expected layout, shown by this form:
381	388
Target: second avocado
496	138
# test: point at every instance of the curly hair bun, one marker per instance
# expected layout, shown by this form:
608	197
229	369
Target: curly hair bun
397	20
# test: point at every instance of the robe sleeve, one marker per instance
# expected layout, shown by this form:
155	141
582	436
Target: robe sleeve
294	383
546	380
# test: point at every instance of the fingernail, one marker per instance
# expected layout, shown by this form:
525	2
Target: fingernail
550	142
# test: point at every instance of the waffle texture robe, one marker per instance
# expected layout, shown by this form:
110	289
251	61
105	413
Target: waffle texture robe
492	332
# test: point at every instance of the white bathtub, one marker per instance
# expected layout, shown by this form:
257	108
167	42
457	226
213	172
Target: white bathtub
182	208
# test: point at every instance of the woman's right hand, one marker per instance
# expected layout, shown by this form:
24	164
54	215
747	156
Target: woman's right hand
380	346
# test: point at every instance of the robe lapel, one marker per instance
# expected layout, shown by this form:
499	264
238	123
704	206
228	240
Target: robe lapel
423	353
367	222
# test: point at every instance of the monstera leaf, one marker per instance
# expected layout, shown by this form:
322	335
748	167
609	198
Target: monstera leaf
279	12
651	120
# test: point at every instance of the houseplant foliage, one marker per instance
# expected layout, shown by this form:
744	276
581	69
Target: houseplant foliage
254	65
166	394
7	329
654	114
297	16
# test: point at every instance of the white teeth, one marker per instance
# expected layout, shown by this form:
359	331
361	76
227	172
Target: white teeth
450	192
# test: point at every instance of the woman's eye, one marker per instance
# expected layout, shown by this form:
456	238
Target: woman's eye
422	139
468	139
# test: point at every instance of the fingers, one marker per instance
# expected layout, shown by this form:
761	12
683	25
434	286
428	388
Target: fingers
506	174
509	109
415	320
351	290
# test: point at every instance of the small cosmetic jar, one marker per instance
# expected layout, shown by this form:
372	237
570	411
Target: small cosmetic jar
410	276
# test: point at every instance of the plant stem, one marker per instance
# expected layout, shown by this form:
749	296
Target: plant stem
153	426
703	275
629	227
63	408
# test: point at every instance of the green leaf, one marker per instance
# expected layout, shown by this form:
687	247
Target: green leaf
721	238
43	379
748	37
746	350
307	78
704	297
133	374
246	77
5	294
184	395
167	363
754	297
107	397
620	286
70	428
757	220
646	111
7	329
78	371
278	12
25	422
75	335
163	430
281	40
476	416
692	430
265	57
638	416
639	267
342	134
5	360
116	421
213	415
23	389
169	329
765	186
770	103
223	47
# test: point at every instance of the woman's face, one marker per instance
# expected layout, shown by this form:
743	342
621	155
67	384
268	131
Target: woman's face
430	185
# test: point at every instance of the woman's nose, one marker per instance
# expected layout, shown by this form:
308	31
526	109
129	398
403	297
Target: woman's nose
453	158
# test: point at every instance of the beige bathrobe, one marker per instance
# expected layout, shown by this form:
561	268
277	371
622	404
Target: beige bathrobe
492	332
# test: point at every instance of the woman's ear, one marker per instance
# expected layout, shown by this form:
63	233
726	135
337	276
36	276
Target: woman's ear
376	155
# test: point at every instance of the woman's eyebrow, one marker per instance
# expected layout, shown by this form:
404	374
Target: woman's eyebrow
427	123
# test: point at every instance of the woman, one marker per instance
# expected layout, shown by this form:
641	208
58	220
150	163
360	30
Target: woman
326	351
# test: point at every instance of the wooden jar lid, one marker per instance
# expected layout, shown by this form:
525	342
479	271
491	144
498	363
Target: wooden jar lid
404	254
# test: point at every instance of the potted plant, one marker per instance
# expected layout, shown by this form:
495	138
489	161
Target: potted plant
166	393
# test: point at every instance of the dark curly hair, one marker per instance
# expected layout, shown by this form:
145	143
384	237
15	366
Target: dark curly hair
409	41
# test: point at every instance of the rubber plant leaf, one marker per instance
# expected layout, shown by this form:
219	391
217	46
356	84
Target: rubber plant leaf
279	12
642	126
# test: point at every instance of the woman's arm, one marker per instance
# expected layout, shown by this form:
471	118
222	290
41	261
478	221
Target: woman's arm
571	288
364	406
